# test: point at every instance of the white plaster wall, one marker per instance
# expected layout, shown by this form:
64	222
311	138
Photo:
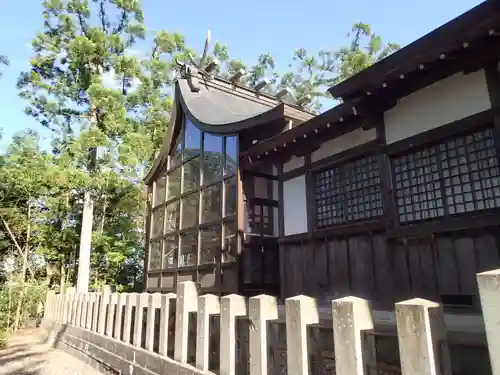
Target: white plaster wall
448	100
294	202
293	163
344	142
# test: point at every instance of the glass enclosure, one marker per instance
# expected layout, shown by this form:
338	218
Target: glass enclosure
193	217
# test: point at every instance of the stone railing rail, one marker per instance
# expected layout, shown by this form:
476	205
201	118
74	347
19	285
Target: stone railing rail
116	331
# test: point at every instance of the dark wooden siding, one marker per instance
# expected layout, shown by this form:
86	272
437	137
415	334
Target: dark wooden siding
387	270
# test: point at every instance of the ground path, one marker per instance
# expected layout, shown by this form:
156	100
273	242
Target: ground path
28	354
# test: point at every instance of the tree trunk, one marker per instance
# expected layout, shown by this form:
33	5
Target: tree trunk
22	293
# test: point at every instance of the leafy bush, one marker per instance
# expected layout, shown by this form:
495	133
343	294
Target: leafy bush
4	339
32	295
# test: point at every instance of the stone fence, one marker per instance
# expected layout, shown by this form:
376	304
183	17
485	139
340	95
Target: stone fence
153	333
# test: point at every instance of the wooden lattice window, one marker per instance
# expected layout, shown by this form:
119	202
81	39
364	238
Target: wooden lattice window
348	192
455	176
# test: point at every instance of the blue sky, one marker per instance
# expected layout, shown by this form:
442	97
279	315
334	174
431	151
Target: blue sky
248	28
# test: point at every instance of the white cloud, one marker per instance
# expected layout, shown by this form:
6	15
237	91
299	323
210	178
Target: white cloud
112	81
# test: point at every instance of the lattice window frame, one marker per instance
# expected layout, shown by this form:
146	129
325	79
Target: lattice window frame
348	192
454	176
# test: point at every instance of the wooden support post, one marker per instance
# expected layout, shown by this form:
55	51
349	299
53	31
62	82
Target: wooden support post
489	291
154	302
186	303
231	306
261	309
301	311
120	303
127	326
208	305
351	317
421	335
142	302
166	299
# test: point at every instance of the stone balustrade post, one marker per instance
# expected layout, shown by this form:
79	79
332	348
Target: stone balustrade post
231	307
261	309
186	303
113	299
142	302
91	301
154	302
68	304
78	308
208	305
50	308
352	316
103	304
489	292
166	300
421	337
84	307
301	311
127	325
121	300
95	311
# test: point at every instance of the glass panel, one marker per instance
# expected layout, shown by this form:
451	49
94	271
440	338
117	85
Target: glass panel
261	186
210	244
192	142
230	247
172	216
191	175
157	222
212	158
190	211
175	156
231	191
189	249
231	156
174	184
155	255
171	244
211	203
160	186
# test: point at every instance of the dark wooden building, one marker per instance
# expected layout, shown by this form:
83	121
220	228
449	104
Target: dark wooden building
393	194
210	220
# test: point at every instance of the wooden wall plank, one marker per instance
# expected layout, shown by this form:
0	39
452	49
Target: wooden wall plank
338	268
486	249
428	267
466	264
384	276
401	271
447	267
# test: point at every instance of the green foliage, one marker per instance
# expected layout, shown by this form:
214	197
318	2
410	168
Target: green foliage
31	299
4	339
